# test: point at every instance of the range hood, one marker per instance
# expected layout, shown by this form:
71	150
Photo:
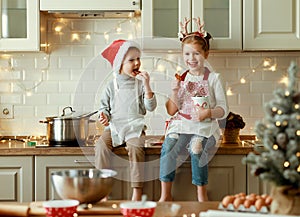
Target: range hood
90	8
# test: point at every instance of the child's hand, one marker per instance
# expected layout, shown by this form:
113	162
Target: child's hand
175	85
103	119
143	76
200	113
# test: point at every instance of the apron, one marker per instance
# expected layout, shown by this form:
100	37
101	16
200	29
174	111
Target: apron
126	122
182	122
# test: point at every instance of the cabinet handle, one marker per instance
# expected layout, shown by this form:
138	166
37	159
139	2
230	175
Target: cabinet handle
82	161
133	3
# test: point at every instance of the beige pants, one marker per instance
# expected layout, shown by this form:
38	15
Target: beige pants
136	153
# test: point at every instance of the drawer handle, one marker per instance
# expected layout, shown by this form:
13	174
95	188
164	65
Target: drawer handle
82	161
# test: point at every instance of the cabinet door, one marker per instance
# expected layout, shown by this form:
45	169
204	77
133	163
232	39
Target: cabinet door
160	23
227	176
45	165
19	25
16	177
271	25
223	20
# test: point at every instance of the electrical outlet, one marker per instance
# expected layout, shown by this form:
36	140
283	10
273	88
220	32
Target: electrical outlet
6	111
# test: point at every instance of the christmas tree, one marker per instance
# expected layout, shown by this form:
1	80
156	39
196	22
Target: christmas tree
278	161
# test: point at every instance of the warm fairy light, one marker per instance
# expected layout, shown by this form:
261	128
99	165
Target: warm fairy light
273	68
298	117
275	147
287	93
286	164
298	154
284	80
298	132
75	37
28	93
243	80
297	106
178	68
267	62
279	112
277	123
253	70
274	109
284	123
58	28
88	36
229	92
298	169
118	29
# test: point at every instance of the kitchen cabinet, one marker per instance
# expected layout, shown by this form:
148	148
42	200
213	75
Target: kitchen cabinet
256	185
20	25
16	177
160	22
45	165
271	25
226	176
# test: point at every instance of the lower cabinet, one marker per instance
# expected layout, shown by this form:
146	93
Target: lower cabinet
28	178
16	175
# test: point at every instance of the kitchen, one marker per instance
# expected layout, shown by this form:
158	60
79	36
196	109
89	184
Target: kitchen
35	85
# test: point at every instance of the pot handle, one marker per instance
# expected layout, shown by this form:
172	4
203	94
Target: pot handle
44	122
64	110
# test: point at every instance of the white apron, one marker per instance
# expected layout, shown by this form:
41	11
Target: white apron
182	122
126	122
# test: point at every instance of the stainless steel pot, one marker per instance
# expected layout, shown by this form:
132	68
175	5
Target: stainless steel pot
68	130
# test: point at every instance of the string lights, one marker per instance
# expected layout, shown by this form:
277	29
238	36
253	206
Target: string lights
267	64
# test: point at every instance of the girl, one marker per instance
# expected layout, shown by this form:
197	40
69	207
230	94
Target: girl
192	125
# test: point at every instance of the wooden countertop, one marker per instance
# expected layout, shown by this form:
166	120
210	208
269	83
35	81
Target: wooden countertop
109	208
19	148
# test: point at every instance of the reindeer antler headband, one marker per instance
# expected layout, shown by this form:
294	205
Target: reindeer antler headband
200	31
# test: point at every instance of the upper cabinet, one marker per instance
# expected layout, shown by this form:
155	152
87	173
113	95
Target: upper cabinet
234	24
19	25
271	25
222	18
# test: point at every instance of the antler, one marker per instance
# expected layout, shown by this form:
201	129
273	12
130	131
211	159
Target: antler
200	27
184	30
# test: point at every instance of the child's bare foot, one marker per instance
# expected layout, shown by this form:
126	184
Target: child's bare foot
164	199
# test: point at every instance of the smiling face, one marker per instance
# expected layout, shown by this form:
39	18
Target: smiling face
194	57
131	63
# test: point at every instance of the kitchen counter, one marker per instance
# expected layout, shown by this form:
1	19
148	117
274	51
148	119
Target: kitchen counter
152	147
188	208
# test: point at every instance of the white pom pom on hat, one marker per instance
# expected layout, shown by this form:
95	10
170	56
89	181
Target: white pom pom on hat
115	52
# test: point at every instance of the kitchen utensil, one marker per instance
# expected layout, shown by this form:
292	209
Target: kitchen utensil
68	129
66	208
85	185
138	208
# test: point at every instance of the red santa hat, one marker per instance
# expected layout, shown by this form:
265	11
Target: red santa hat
116	51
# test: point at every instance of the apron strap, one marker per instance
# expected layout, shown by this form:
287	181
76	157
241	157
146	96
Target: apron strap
206	74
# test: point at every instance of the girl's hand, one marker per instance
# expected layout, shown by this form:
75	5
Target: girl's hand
103	119
175	85
200	113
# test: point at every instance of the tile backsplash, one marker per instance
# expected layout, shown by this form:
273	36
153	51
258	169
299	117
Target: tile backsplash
39	85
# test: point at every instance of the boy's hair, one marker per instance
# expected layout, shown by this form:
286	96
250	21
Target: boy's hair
197	39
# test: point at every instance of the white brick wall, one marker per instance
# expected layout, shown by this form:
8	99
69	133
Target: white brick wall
66	81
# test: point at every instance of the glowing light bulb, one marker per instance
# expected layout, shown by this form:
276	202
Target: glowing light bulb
277	123
106	36
243	80
284	80
160	68
287	93
118	29
178	68
273	68
58	28
286	164
298	169
298	154
267	62
229	92
275	147
75	37
88	36
297	106
28	93
279	112
298	132
274	109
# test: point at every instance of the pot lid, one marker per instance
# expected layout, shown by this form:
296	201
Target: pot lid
72	114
